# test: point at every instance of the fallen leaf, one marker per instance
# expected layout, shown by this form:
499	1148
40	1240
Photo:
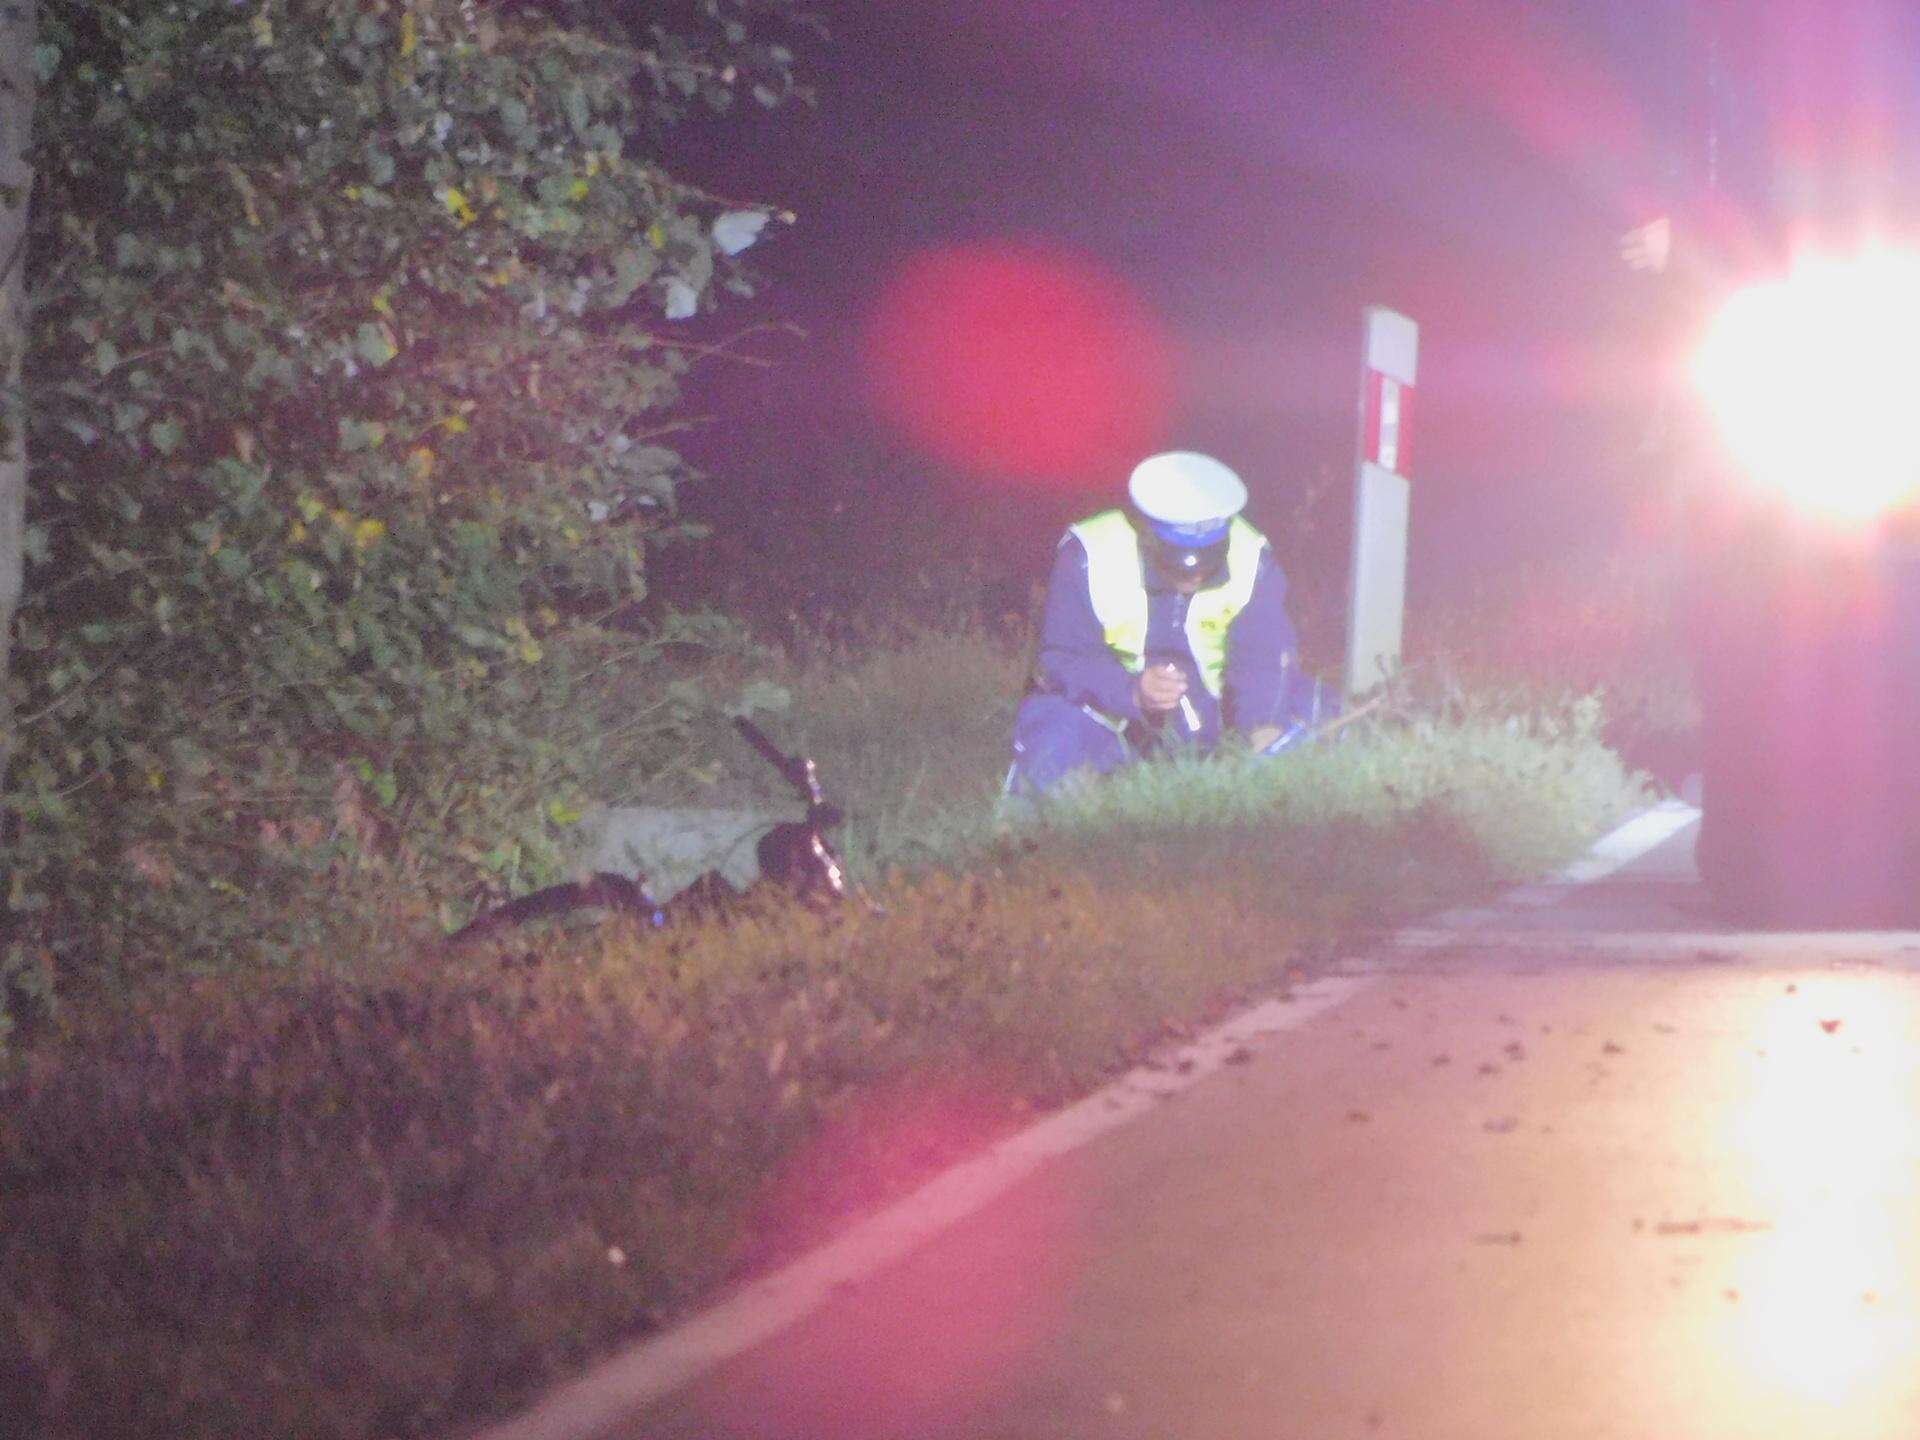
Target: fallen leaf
1829	1026
1722	1225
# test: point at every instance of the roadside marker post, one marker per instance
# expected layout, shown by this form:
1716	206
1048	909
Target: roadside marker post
1376	603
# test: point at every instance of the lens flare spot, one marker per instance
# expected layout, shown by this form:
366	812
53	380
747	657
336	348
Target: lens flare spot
928	1336
1019	363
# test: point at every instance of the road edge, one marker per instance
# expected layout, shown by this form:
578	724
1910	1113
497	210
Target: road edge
653	1368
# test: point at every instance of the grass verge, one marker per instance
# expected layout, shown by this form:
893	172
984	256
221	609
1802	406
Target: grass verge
384	1199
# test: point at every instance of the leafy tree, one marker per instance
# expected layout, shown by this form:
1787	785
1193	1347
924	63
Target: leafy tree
354	338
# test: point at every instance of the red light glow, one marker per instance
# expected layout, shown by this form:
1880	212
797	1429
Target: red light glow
1019	363
932	1336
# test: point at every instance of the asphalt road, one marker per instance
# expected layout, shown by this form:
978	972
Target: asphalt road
1591	1166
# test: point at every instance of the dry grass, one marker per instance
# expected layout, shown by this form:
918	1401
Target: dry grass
381	1199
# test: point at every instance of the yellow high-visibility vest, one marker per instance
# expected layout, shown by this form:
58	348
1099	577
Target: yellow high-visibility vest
1116	582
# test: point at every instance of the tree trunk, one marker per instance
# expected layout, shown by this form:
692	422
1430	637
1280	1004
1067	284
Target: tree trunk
17	33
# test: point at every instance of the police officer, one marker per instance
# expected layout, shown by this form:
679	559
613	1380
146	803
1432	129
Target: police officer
1165	623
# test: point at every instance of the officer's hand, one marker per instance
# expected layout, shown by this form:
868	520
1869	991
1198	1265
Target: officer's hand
1159	688
1262	736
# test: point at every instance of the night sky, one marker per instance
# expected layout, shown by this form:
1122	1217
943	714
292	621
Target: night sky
1210	192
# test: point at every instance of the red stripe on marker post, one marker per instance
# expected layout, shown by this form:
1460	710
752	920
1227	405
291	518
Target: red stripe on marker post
1388	435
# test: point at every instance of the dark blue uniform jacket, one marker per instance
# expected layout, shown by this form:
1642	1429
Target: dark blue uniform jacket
1264	685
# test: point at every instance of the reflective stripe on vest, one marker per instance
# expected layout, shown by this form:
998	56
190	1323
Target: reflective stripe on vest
1117	586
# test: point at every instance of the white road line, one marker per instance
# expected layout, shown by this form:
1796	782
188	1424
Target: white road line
1811	947
1611	852
1628	843
655	1367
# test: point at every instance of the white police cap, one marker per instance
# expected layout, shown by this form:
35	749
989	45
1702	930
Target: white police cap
1185	488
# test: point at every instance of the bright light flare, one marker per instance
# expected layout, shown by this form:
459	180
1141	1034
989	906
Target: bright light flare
1815	378
1826	1311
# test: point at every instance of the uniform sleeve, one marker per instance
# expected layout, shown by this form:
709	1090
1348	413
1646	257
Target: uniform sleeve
1075	661
1263	652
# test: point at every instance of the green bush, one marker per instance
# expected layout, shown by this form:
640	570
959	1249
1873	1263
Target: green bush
1609	626
354	326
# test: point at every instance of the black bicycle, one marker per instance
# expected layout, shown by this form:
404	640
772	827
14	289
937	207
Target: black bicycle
795	856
